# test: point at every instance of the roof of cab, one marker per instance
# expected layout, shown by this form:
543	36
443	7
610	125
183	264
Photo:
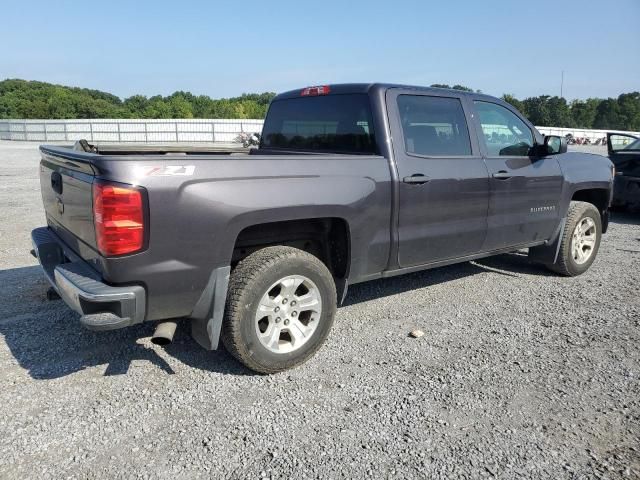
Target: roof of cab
343	88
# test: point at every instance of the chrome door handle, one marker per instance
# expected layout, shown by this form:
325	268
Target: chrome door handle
502	175
416	178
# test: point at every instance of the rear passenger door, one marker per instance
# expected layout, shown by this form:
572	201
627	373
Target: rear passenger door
443	181
524	202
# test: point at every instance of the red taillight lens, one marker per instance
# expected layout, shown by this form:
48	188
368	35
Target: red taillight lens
118	217
315	91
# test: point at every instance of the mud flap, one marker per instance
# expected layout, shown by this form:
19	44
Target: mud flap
206	318
341	289
548	253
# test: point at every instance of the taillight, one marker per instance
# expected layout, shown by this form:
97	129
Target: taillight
315	91
118	216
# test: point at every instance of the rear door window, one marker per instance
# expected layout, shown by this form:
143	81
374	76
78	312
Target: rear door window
433	126
326	123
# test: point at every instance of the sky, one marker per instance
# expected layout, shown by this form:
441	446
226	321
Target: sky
224	49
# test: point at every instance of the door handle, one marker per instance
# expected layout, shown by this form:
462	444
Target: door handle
416	178
502	175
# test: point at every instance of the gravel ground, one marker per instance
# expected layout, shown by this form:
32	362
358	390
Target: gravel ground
521	374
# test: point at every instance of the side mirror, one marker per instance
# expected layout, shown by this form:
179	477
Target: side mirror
555	144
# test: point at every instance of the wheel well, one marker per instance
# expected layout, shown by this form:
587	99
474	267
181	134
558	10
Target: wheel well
596	196
326	238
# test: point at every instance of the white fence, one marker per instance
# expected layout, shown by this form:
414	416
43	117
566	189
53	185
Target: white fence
580	132
128	130
170	131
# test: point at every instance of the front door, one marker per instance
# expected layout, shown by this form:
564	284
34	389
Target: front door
524	202
442	176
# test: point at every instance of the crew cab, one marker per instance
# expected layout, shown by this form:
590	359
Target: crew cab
350	183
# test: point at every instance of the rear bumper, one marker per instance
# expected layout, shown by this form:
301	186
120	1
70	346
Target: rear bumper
101	306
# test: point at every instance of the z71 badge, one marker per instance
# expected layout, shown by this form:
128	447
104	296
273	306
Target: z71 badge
167	171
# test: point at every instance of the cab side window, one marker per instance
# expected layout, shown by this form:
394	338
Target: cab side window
433	126
503	132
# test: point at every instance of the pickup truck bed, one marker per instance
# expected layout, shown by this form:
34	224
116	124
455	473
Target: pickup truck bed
371	180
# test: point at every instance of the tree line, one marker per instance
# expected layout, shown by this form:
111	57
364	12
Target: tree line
622	113
31	100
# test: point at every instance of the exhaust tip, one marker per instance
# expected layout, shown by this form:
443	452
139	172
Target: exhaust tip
164	333
161	341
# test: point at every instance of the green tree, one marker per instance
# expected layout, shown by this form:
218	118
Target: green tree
514	102
136	104
537	109
559	113
583	112
157	108
201	105
608	116
86	107
629	104
60	104
180	107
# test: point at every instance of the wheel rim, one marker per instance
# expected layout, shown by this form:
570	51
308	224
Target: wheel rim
288	314
583	242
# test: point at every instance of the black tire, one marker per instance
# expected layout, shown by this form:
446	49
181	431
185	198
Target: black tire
249	281
565	263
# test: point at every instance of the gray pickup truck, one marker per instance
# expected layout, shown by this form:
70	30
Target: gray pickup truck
350	183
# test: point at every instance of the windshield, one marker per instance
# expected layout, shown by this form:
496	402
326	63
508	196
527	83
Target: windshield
324	123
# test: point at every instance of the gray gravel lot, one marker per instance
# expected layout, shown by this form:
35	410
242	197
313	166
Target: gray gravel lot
521	374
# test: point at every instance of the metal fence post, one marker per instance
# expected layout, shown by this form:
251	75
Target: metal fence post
213	132
91	130
44	125
64	125
24	128
146	138
118	126
176	125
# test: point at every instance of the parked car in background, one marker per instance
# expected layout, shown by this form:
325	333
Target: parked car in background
350	183
624	152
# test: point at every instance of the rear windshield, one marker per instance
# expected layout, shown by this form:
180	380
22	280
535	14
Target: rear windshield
325	123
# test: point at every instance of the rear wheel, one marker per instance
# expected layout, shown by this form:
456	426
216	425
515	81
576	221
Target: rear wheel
580	240
280	309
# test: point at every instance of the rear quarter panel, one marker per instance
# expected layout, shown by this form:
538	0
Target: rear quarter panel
195	219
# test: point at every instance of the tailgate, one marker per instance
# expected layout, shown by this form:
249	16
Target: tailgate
65	183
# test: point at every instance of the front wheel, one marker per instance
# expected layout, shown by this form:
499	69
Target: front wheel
280	309
580	240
